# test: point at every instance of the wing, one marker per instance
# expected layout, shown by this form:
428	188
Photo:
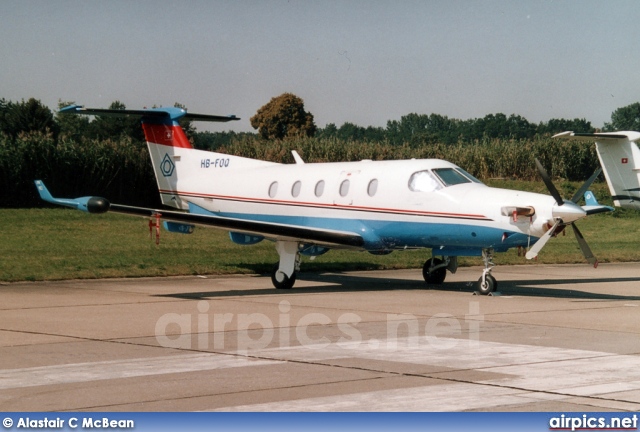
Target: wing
275	231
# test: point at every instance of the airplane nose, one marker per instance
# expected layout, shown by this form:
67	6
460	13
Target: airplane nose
569	212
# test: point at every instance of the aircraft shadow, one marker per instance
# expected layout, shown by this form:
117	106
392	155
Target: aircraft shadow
341	283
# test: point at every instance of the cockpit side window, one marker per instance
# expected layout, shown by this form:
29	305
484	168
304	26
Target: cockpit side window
469	176
424	181
450	176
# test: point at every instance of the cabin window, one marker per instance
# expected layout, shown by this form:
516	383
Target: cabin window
273	189
451	177
344	188
295	189
424	181
373	187
319	188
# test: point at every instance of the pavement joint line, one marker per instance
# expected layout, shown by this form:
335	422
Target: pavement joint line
459	381
233	393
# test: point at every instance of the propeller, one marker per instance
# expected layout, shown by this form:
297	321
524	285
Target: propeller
566	213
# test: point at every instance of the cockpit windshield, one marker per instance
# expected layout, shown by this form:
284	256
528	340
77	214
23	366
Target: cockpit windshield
454	176
428	181
469	176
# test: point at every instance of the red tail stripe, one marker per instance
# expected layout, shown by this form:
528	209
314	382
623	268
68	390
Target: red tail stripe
166	135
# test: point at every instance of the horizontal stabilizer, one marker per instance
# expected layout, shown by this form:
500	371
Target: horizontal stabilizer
169	113
600	136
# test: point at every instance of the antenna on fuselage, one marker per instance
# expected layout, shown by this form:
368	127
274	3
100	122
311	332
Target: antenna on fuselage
297	157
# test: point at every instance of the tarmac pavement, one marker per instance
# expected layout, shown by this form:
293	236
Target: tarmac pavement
557	338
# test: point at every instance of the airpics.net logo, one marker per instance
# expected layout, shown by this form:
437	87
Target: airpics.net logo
244	332
590	422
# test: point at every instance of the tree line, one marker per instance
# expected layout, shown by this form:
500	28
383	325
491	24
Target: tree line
284	117
106	156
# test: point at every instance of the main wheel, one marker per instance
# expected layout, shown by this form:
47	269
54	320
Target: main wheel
281	280
435	277
490	285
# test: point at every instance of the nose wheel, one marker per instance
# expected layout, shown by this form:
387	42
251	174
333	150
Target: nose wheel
487	283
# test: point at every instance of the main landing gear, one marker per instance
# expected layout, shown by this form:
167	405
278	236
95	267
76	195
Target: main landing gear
283	275
434	271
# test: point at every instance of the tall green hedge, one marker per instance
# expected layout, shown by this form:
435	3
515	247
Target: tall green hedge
120	170
117	170
567	159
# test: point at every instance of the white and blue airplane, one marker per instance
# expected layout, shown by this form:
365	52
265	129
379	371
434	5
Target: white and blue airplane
310	208
620	160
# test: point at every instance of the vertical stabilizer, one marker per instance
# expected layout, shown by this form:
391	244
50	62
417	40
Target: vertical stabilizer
174	159
620	159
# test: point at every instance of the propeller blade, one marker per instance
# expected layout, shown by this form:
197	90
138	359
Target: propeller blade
585	186
584	247
533	252
547	181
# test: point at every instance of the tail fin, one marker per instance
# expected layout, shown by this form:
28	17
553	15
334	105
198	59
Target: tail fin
160	125
169	147
620	160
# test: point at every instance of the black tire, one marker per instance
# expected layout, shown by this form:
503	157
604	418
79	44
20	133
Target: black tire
489	286
286	283
435	277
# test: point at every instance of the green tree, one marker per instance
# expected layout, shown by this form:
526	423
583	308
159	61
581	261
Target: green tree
329	131
29	116
3	114
625	118
350	132
555	126
114	127
422	128
284	117
374	134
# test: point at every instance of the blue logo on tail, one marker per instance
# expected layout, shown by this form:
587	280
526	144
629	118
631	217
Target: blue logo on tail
167	166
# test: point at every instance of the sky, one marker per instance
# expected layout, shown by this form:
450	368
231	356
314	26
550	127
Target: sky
363	62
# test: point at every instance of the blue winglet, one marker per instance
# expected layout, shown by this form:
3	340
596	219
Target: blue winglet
89	204
590	198
593	206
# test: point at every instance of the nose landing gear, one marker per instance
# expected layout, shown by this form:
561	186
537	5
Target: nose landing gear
487	283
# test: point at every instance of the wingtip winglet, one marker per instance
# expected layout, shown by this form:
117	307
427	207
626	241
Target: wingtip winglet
70	109
563	134
89	204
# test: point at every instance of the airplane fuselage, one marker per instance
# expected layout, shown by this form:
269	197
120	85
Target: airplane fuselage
391	204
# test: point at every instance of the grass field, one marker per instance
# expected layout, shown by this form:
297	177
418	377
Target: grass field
54	244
